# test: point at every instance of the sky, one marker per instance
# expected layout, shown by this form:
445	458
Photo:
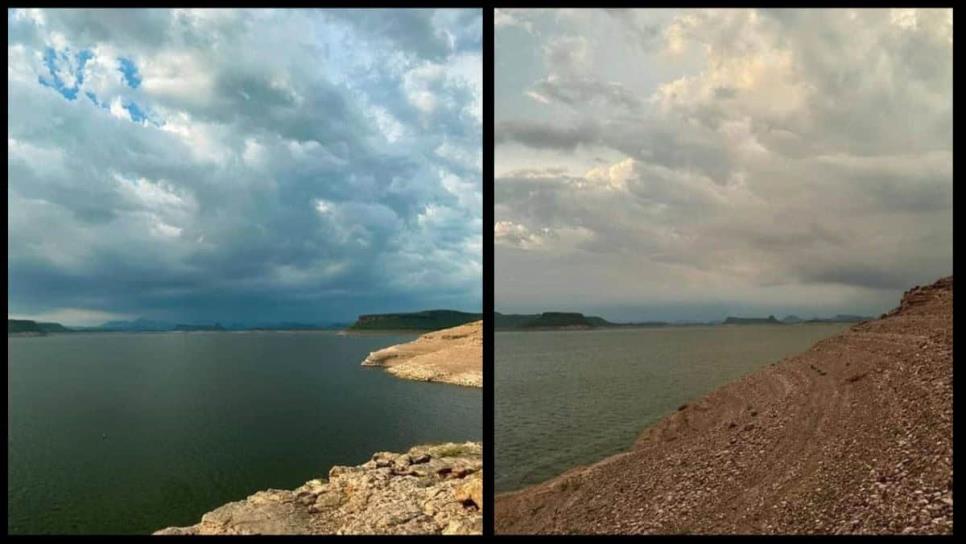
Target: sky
243	166
692	164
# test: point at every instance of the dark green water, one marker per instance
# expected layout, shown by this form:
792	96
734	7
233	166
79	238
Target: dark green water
564	399
130	433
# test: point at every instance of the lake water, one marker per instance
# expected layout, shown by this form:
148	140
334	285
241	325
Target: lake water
130	433
564	399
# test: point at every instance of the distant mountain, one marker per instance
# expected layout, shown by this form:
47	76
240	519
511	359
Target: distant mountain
185	327
770	320
549	320
841	318
27	326
23	326
140	324
850	318
512	321
650	324
292	326
554	320
429	320
53	327
149	325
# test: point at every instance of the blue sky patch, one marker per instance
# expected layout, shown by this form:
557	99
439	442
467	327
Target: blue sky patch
137	114
58	62
130	71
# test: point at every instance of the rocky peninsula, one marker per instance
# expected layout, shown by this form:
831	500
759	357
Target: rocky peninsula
453	355
434	489
854	436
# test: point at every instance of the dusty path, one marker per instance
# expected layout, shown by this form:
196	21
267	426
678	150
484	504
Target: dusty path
852	436
453	355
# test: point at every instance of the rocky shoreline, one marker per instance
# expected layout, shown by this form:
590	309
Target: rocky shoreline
434	489
453	356
853	436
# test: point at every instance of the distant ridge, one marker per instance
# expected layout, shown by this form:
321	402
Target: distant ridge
149	325
841	318
185	328
140	324
27	326
770	320
428	320
550	320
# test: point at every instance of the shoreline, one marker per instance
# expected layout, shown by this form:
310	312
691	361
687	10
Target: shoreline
677	327
430	489
785	436
453	356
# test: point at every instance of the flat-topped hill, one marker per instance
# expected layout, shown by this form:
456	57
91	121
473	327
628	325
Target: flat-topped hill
770	320
27	326
549	320
429	320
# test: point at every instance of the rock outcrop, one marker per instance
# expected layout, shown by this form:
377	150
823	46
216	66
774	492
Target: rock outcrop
428	490
452	355
854	436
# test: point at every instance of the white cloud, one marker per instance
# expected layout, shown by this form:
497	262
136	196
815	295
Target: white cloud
165	230
118	110
152	194
181	78
503	17
698	152
82	317
392	130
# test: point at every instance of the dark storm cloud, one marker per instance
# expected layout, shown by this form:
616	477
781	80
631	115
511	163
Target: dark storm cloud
545	135
267	178
577	92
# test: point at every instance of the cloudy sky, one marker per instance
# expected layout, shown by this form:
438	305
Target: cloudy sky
243	165
665	164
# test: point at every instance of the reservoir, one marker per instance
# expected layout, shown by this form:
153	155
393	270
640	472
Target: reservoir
131	433
569	398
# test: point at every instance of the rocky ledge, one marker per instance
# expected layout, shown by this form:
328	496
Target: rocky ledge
452	355
435	489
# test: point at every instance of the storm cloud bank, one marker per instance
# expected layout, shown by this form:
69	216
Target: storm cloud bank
689	164
200	165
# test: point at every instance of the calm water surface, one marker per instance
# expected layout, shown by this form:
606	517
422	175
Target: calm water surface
130	433
570	398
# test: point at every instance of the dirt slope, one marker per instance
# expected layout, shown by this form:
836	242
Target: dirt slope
852	436
453	355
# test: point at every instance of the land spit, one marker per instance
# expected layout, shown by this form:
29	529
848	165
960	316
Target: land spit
453	355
